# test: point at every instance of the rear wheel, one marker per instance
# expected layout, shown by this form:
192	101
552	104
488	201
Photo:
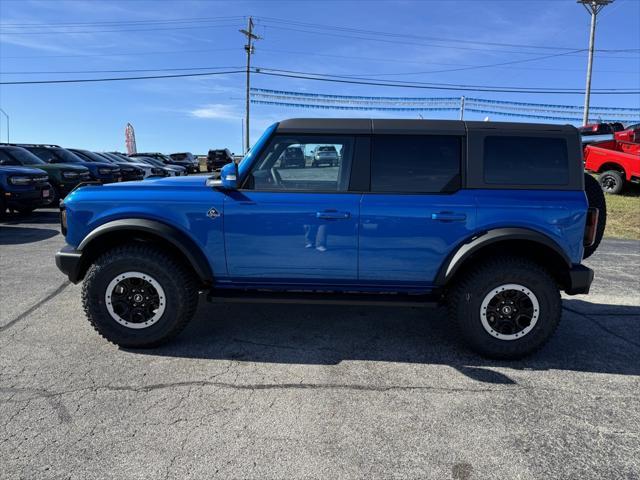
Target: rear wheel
611	181
505	308
138	296
596	199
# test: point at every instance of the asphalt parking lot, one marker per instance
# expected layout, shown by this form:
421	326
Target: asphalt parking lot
311	392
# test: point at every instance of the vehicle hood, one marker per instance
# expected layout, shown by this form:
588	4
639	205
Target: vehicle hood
112	166
164	182
21	171
131	193
62	166
141	165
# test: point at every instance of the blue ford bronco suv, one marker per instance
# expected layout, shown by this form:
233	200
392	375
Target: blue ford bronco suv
490	219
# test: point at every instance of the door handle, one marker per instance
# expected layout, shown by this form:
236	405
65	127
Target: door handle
333	215
448	217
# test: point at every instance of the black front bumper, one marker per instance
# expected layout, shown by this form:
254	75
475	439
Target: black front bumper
27	198
579	280
69	262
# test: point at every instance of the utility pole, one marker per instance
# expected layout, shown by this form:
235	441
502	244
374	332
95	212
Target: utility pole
462	108
249	49
7	117
593	7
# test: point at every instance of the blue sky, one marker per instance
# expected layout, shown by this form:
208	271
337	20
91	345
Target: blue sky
199	113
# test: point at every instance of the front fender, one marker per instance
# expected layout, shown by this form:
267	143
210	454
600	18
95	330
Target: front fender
172	235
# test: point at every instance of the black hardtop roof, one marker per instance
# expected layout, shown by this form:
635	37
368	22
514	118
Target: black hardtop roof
409	126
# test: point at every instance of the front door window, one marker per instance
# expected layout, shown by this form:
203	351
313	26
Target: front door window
304	164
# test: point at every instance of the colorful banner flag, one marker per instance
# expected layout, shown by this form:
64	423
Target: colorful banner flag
130	139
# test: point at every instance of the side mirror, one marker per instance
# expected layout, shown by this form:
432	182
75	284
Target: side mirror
228	177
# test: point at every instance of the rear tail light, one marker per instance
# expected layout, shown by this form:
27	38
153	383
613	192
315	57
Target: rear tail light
591	227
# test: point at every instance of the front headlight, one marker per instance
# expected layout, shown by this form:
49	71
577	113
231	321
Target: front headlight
70	174
18	180
157	171
105	171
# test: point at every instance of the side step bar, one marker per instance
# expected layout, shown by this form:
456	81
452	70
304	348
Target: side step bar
322	298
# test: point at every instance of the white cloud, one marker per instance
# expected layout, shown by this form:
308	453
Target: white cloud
215	110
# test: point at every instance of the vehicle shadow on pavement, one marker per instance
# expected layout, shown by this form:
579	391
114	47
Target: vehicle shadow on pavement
22	235
50	217
590	338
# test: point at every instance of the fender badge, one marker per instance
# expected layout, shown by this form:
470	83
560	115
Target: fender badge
213	213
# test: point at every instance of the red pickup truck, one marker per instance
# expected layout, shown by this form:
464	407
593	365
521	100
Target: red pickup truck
617	161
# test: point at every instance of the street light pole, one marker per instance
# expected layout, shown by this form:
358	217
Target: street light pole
249	49
593	7
7	117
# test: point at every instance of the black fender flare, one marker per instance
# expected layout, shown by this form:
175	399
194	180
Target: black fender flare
191	251
463	252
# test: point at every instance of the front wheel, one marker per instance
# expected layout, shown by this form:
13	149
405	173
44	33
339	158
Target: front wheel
505	308
138	296
53	198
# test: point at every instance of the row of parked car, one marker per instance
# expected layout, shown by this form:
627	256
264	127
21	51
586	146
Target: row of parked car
37	175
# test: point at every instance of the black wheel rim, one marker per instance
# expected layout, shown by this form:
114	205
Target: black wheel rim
608	183
135	300
509	312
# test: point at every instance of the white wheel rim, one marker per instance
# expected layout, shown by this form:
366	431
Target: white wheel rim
486	311
152	282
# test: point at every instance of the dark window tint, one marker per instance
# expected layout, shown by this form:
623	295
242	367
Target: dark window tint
415	163
6	159
526	161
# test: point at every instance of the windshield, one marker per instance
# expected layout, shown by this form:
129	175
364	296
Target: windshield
245	163
88	156
55	155
25	157
102	157
151	161
66	156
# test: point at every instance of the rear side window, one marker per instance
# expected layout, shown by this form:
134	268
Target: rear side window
416	163
525	161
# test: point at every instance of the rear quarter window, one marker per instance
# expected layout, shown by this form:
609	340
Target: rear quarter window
521	160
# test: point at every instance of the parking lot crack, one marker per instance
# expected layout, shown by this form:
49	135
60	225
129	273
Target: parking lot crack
33	308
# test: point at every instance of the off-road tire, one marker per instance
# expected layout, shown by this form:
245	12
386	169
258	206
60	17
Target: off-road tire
464	301
596	199
605	179
177	282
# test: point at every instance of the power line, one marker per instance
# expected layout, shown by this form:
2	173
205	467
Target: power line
121	22
123	54
350	79
92	32
377	38
434	87
267	20
340	79
415	62
117	79
136	70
